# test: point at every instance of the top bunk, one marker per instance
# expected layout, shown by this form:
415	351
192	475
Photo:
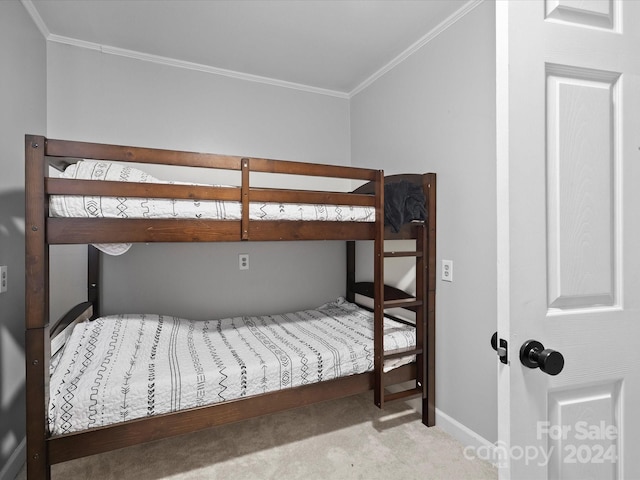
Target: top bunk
105	196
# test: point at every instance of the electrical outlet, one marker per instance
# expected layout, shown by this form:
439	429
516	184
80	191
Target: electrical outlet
4	279
447	270
243	261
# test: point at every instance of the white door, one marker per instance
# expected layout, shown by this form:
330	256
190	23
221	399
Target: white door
568	139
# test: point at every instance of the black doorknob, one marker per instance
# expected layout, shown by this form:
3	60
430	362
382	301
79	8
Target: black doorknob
534	355
494	341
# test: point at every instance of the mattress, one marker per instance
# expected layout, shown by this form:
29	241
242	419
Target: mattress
123	367
73	206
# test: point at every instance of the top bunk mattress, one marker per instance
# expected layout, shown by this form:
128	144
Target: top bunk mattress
124	367
72	206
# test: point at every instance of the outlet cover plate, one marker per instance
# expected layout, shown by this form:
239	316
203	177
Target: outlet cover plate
447	270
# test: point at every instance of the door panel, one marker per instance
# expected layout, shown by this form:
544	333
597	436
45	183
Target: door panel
590	13
581	186
583	431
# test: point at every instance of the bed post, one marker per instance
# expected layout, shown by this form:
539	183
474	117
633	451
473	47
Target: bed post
37	343
378	295
429	403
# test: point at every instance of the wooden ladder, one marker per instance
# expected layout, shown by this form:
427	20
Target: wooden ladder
386	297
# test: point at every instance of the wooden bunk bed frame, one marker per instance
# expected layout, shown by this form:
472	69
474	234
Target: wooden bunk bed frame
44	450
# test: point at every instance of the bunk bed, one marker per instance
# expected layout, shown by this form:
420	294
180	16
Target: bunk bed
47	225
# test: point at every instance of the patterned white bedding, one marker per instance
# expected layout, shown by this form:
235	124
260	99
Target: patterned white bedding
123	367
72	206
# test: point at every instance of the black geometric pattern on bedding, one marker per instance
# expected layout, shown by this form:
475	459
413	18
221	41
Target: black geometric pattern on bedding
123	367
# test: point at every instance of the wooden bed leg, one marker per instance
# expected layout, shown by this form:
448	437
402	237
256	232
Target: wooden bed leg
429	403
36	342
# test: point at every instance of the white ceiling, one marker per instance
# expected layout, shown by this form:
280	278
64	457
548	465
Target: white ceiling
335	46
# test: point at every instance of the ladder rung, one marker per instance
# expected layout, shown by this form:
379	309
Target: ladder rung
402	352
402	254
402	303
413	392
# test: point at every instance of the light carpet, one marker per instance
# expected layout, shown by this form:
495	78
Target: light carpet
343	439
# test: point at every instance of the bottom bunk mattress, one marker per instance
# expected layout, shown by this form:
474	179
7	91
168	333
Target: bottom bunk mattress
123	367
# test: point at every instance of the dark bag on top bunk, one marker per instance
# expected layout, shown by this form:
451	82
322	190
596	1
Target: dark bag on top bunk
403	203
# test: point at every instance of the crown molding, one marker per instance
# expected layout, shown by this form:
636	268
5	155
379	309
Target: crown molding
172	62
37	19
433	33
106	49
216	71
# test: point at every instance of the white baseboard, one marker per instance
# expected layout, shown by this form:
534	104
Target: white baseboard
15	462
457	430
463	434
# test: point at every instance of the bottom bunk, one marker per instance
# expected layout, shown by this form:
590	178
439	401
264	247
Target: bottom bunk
123	380
123	367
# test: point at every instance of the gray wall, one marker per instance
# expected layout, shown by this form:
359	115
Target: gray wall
106	98
22	107
436	112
